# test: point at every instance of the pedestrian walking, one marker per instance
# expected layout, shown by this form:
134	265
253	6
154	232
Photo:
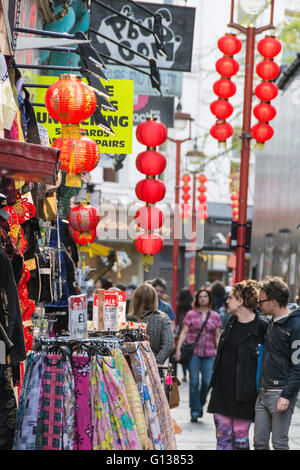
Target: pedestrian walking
144	308
219	297
233	382
185	300
160	286
280	367
205	348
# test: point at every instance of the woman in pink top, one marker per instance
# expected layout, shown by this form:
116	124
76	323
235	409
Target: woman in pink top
205	349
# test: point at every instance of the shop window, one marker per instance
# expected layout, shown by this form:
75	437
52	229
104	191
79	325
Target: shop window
110	175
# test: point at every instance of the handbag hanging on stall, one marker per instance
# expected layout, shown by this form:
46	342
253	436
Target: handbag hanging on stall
187	349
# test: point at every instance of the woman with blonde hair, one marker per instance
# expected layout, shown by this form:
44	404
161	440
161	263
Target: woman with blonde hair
233	379
144	308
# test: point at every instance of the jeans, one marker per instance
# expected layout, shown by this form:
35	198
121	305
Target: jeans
268	420
232	433
198	396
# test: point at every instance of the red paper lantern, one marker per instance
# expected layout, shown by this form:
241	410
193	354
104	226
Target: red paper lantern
234	197
151	162
148	243
149	218
269	47
201	198
267	69
77	155
234	205
186	188
202	179
262	132
185	197
222	109
266	91
264	112
83	238
227	67
151	133
224	88
202	189
221	131
150	190
70	100
229	44
186	178
83	218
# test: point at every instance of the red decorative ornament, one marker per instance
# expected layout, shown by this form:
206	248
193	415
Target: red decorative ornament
149	218
264	112
151	133
269	47
222	109
202	188
221	131
186	188
186	178
234	197
151	162
78	154
202	199
262	132
267	69
150	190
266	91
84	218
83	238
224	88
229	44
70	100
227	67
186	197
202	179
148	243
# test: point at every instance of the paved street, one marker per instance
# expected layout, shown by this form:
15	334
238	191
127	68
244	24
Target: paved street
201	435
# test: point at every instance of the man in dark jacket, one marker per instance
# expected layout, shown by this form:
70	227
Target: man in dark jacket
280	367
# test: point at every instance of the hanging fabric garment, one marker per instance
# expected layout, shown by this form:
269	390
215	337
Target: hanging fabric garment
68	406
23	394
132	396
83	427
102	430
159	396
10	314
114	427
53	402
139	373
30	402
8	409
122	421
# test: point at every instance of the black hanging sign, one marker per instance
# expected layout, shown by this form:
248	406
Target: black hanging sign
178	31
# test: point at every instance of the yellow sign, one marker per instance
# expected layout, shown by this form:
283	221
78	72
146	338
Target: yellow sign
120	121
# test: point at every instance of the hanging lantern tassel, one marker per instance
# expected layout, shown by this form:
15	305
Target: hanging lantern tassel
147	260
72	179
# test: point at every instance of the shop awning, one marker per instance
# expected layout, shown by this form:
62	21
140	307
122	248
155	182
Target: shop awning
28	162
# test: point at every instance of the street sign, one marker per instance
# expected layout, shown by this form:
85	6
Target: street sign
178	32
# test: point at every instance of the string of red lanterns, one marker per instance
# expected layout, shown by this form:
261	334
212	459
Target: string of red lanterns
224	88
235	206
185	196
202	206
150	190
70	101
269	47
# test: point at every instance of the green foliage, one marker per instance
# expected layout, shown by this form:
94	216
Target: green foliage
289	35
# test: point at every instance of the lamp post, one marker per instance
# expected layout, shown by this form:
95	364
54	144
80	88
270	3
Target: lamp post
180	119
250	33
